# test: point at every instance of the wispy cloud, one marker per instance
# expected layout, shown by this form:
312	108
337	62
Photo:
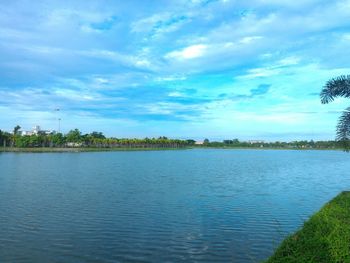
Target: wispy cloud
219	68
189	52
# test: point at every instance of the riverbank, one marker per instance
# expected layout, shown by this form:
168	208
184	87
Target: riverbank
82	149
111	149
325	237
267	148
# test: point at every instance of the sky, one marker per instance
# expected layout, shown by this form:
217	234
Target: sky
217	69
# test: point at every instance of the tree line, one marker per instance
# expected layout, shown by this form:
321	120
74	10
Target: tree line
75	138
304	144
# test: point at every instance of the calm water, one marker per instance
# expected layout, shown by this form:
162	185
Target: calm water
158	206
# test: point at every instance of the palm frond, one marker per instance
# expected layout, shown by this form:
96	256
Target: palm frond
336	87
343	129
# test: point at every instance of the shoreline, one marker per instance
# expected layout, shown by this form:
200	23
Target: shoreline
122	149
323	238
79	149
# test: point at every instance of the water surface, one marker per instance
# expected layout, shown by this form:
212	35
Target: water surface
156	206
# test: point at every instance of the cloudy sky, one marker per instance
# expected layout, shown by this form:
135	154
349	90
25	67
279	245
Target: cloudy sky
183	69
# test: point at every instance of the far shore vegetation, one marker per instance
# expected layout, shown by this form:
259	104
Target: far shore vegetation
74	140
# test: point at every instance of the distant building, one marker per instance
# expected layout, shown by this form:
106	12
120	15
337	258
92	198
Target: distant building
37	130
74	144
26	133
199	143
255	141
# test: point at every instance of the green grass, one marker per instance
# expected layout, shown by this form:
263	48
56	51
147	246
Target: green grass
325	237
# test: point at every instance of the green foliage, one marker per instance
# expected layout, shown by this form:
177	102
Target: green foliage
343	129
191	142
324	238
97	135
5	138
336	87
16	129
31	141
74	136
57	139
339	87
22	141
235	143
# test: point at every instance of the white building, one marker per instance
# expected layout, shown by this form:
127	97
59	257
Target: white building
36	130
26	133
255	141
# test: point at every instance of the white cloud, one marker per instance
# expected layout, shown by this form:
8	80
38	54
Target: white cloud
100	80
146	24
346	37
288	61
272	70
76	95
129	60
270	42
249	39
175	94
282	118
261	72
171	78
189	52
142	63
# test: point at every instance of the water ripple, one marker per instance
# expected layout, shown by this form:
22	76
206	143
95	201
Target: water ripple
171	206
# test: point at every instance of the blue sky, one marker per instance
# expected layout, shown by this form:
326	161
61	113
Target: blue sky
184	69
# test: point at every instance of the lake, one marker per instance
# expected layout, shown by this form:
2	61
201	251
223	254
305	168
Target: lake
206	205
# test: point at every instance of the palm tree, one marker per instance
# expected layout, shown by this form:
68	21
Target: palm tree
16	129
15	132
339	87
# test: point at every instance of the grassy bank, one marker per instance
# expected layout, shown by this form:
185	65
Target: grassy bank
83	149
325	237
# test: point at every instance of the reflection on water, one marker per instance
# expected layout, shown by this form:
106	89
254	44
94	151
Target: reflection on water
156	206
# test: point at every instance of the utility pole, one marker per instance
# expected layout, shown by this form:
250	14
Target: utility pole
58	119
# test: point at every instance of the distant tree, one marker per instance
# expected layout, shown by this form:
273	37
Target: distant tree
2	138
15	133
312	144
190	142
97	135
6	138
206	141
74	136
23	141
16	129
339	87
57	139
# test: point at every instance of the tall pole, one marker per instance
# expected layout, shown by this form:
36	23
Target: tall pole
58	119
